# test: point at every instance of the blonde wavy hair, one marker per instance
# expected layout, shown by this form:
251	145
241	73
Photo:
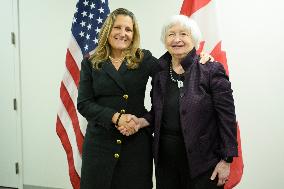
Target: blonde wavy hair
133	53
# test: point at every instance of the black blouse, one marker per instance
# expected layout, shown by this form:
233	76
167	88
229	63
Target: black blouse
171	115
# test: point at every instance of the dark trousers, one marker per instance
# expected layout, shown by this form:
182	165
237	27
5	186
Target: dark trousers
172	171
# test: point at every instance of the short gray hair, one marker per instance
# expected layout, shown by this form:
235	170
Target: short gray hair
186	22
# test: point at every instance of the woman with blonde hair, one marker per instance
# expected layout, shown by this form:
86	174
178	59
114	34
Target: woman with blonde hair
117	151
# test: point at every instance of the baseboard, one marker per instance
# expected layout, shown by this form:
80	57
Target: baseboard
37	187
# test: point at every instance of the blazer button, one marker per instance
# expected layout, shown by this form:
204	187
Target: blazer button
183	112
118	141
122	111
125	96
116	155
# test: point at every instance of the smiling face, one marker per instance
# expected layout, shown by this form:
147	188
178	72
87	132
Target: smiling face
121	35
178	41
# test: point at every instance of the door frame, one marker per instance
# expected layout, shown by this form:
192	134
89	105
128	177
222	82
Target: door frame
18	96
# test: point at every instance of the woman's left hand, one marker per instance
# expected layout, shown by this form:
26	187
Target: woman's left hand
205	57
222	170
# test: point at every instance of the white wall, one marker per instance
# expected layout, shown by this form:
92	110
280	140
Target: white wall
44	35
252	32
253	36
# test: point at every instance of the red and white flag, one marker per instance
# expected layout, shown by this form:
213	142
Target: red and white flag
205	14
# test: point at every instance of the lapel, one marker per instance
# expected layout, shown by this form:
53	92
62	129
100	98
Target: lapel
164	62
162	80
186	63
114	74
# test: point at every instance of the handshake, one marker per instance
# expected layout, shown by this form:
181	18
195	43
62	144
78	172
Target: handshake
128	124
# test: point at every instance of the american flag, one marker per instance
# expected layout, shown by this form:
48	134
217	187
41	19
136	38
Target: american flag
70	125
205	14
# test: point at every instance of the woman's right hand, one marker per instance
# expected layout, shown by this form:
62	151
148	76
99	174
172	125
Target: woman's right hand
128	124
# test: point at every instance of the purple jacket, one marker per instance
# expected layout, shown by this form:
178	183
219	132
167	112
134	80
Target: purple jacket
207	112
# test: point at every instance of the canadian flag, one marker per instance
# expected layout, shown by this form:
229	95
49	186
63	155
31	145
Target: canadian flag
205	14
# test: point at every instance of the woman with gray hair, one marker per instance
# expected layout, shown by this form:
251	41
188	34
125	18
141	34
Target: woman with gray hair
195	132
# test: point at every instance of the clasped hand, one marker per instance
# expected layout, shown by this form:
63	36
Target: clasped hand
129	124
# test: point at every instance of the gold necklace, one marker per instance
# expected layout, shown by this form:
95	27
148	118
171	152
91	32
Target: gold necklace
116	61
